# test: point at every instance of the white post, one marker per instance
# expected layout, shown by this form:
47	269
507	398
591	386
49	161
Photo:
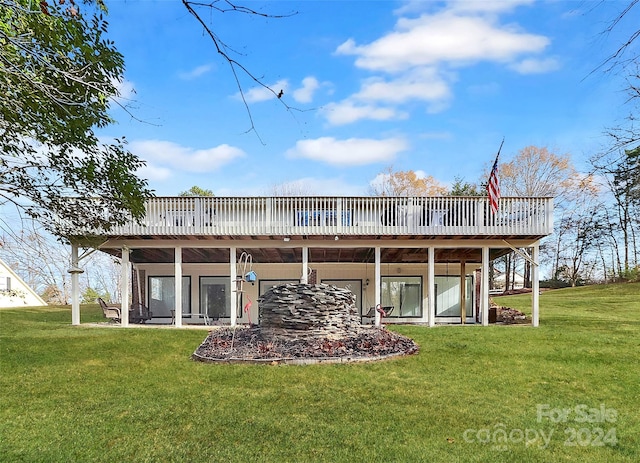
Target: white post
463	292
484	286
234	284
431	281
535	285
178	287
304	279
378	292
75	271
124	290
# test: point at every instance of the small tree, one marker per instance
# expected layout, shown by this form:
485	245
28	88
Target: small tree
462	188
53	295
89	295
196	191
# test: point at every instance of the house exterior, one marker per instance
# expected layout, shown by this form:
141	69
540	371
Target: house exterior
516	280
14	292
194	260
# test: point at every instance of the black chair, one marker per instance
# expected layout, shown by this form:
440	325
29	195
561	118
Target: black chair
139	314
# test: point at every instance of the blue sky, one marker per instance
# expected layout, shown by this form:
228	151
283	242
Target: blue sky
424	85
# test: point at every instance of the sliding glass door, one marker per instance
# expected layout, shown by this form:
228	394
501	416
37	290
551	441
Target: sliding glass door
215	297
448	296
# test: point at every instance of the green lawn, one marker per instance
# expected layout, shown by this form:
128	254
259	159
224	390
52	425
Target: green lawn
104	394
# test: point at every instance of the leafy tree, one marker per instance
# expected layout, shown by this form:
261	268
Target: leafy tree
59	74
579	232
621	173
462	188
405	183
626	175
53	295
196	191
89	295
536	171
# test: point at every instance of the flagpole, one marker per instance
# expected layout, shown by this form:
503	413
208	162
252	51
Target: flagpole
493	185
499	149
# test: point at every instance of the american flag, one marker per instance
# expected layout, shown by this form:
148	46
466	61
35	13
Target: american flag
493	187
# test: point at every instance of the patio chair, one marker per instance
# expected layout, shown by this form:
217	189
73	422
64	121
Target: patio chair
110	312
139	314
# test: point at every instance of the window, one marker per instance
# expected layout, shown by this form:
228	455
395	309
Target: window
5	283
404	293
215	297
162	295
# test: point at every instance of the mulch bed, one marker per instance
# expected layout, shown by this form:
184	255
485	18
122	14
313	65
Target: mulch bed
247	345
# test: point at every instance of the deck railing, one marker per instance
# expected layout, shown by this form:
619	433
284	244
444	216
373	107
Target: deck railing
446	215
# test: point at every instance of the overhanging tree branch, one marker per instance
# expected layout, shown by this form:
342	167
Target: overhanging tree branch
225	6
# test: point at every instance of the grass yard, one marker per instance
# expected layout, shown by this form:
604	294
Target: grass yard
499	393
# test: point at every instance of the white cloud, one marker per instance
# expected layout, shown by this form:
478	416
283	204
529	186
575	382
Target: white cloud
348	112
305	93
444	37
486	6
161	154
125	89
420	174
378	98
415	62
260	93
154	173
349	152
195	72
536	66
424	84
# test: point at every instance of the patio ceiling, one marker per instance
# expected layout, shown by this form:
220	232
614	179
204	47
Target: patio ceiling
319	254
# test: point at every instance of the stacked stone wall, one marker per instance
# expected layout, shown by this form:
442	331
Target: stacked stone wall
306	311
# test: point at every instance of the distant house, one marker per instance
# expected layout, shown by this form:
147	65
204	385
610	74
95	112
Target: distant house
14	292
516	280
194	260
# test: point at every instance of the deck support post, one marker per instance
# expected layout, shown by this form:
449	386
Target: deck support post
431	282
535	285
463	292
378	277
484	286
236	295
304	279
178	287
125	285
75	270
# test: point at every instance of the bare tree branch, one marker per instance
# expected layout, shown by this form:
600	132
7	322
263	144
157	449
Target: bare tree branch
225	6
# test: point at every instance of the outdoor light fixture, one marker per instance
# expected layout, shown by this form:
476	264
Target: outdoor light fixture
286	238
336	238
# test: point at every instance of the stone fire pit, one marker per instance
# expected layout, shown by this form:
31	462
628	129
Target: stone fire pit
304	323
